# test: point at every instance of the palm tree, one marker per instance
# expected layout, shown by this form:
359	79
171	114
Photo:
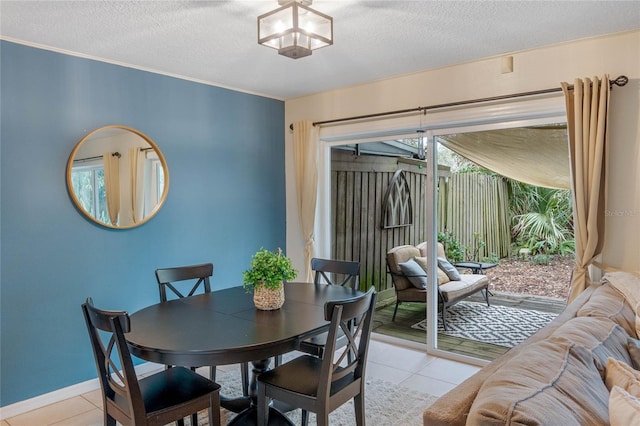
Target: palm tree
542	218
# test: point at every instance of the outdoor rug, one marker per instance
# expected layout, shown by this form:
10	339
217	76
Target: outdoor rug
500	325
386	404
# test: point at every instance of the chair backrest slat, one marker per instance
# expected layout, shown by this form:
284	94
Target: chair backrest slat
337	272
168	277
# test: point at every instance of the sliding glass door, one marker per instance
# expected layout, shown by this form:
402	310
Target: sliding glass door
422	171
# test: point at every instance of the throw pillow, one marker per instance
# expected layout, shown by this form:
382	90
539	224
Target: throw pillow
414	273
622	375
633	346
449	269
624	408
442	277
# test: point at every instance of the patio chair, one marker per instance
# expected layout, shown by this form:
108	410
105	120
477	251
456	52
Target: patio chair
449	291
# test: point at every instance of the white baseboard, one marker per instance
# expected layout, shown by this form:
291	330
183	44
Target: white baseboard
58	395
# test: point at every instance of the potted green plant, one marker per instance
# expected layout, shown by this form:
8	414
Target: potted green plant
265	276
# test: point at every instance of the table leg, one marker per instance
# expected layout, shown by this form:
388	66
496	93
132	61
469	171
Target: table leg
249	416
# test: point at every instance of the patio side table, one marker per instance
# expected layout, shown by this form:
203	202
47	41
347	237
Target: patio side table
476	267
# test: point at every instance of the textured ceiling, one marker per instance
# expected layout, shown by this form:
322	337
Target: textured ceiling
215	41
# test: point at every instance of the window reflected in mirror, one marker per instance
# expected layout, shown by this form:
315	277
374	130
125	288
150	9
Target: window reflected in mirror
117	177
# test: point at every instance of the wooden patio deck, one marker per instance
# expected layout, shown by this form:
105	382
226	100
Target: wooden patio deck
411	313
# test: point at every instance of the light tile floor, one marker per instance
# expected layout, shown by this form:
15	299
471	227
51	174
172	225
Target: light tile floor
395	363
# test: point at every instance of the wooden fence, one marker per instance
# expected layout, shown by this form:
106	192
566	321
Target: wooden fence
360	192
474	203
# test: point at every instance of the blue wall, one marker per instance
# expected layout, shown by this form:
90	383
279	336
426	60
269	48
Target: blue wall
225	154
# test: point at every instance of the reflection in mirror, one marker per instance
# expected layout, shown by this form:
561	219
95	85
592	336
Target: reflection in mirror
117	177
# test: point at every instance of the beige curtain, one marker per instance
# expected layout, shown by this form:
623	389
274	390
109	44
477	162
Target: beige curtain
112	185
136	167
587	121
305	155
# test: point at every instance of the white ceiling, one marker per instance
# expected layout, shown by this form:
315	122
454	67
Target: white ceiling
216	42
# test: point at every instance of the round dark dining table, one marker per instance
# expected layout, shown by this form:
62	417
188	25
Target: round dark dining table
224	327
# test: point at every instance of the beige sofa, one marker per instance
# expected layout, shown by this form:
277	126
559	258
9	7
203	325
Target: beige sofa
449	291
556	377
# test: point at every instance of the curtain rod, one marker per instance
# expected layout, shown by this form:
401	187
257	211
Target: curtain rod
113	154
620	81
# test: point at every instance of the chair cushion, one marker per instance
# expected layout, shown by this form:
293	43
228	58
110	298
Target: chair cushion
423	249
412	294
414	272
468	284
448	269
442	276
395	256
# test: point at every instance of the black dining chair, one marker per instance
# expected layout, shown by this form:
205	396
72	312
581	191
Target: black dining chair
336	272
321	385
191	278
167	396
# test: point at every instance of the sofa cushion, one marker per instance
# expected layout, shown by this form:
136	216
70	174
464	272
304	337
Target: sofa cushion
414	272
633	346
553	382
604	338
624	408
607	302
442	277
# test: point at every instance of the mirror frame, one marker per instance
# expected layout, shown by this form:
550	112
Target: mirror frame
161	158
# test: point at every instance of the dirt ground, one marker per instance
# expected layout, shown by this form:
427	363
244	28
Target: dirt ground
520	276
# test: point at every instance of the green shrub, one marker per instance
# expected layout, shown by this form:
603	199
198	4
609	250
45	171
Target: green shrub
452	248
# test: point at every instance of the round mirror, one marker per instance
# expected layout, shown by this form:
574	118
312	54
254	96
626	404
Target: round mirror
117	177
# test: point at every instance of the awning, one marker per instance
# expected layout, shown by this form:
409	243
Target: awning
535	155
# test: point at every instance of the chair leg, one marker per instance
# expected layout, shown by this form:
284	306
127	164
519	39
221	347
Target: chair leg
277	361
444	321
358	404
395	311
244	371
194	419
108	420
486	295
322	418
214	411
305	418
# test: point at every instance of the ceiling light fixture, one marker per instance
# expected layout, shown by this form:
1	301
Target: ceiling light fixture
294	29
